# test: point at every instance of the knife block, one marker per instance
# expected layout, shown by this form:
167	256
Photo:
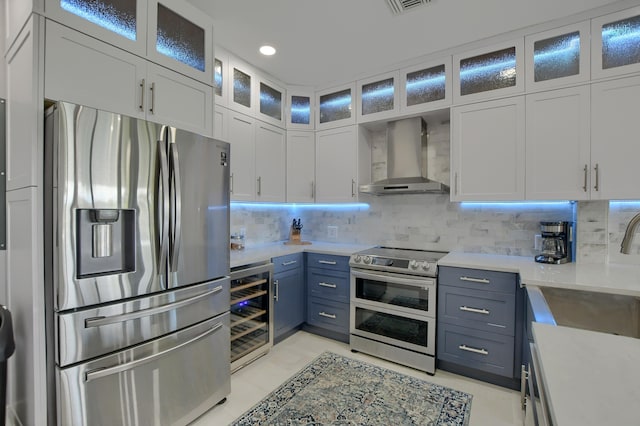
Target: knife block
294	237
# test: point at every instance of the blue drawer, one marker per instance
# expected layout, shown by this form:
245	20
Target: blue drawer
328	261
478	279
328	314
490	352
287	262
483	310
332	285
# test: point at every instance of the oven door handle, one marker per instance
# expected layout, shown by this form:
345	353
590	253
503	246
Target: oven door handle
423	282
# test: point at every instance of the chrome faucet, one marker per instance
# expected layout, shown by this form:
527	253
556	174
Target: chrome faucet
625	247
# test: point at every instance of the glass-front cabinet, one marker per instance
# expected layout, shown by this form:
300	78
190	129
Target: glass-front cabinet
426	86
616	43
558	57
271	103
378	97
176	35
336	107
220	76
489	72
300	108
240	87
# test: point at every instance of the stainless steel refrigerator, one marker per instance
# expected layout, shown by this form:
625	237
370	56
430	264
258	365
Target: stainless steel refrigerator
136	270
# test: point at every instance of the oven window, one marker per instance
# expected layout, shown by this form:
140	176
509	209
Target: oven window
392	326
407	296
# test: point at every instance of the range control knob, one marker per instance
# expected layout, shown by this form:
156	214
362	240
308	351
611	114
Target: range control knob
413	264
357	258
367	260
426	266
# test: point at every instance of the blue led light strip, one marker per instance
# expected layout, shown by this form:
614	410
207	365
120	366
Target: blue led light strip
337	103
567	48
310	206
492	68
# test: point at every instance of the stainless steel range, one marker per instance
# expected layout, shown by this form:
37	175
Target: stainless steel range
393	305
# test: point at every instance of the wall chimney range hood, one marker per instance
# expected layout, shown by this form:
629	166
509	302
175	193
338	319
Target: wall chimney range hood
406	161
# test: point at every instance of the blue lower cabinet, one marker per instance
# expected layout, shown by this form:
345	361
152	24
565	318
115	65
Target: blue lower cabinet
288	295
327	314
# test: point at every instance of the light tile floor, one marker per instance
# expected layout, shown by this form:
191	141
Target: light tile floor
491	406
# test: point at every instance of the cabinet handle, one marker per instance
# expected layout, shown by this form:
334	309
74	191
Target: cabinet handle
474	310
597	177
276	291
259	185
476	280
353	187
292	262
328	262
153	97
474	350
330	285
326	315
142	91
231	183
455	183
524	376
313	190
584	187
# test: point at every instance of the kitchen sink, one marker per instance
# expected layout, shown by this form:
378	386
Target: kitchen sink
604	312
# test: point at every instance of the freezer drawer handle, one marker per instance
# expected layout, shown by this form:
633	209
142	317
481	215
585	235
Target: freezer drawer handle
326	315
476	280
108	371
323	284
474	310
100	321
474	350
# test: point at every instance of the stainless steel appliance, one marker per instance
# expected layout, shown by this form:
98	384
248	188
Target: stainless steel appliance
393	305
136	270
557	242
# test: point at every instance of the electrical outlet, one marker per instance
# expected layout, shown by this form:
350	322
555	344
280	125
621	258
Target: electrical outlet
537	242
332	232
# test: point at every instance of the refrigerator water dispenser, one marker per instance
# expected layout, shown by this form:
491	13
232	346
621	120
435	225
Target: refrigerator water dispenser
105	241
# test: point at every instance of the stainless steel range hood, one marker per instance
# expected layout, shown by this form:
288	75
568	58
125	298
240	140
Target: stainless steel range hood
406	161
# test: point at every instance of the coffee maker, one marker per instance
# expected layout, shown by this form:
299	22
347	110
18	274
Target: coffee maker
557	242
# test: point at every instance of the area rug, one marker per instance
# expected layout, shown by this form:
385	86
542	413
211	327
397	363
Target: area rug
336	390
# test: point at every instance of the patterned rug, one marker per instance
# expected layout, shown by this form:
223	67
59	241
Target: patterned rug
335	390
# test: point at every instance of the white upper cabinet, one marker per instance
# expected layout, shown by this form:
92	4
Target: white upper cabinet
300	108
242	134
221	123
270	163
615	140
559	57
134	87
337	165
487	150
301	166
616	43
558	144
378	97
426	87
336	107
173	34
490	72
271	102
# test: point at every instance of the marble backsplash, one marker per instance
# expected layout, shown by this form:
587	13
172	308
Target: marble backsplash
432	222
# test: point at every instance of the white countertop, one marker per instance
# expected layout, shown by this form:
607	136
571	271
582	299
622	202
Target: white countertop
604	277
590	378
263	252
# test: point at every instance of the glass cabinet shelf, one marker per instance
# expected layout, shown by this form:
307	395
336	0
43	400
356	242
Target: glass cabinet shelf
335	106
270	102
378	96
621	42
426	85
300	110
241	88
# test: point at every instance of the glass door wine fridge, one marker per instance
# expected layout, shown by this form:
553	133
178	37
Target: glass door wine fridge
251	313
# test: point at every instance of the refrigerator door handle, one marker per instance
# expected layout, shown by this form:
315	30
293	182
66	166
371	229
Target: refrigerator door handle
100	321
177	208
164	176
104	372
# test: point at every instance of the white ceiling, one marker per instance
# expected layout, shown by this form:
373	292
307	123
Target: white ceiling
320	42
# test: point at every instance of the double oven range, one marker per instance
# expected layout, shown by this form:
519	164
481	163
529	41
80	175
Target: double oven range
393	305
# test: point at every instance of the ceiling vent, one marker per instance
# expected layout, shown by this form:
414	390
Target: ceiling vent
401	6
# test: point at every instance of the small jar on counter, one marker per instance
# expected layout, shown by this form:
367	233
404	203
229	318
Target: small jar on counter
236	242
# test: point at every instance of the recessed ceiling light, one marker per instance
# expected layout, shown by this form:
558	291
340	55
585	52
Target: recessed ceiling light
267	50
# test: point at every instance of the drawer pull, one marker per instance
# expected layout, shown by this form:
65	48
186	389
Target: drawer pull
475	280
474	310
322	284
326	315
496	325
474	350
289	263
328	262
